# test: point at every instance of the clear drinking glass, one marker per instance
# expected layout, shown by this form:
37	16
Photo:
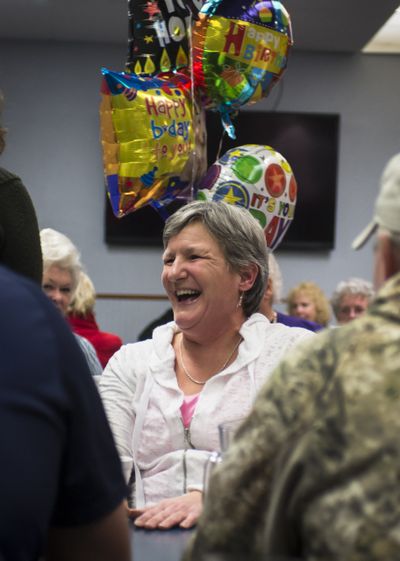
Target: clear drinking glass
226	431
214	459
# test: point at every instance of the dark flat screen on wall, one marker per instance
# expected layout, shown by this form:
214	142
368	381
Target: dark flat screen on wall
310	143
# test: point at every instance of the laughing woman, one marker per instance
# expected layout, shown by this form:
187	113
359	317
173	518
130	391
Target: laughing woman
166	396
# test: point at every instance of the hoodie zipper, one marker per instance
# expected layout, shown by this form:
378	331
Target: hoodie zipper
186	445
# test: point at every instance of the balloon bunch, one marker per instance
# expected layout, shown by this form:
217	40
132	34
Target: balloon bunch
183	58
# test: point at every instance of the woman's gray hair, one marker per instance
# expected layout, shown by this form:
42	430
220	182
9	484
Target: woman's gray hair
59	251
353	285
237	233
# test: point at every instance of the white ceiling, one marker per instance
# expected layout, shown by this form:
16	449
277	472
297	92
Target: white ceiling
387	39
318	25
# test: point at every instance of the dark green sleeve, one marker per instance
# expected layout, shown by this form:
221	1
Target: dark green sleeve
19	231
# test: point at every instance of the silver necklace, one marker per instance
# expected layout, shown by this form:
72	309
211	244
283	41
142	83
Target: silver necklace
220	370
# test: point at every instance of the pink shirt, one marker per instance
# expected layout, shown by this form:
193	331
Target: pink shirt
187	408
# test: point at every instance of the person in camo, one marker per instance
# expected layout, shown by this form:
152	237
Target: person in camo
314	470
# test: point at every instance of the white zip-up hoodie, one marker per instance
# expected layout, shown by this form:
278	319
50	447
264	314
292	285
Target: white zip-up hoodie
142	400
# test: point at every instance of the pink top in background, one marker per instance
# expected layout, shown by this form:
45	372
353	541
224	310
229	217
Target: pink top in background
187	408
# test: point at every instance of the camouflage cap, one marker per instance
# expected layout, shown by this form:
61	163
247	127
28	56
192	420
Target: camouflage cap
387	205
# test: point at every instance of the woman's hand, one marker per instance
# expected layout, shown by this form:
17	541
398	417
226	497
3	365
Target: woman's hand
183	511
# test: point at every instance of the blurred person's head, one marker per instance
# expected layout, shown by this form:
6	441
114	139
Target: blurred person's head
307	301
273	289
351	298
386	224
61	268
238	236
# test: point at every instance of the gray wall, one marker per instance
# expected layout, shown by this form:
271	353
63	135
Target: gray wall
51	111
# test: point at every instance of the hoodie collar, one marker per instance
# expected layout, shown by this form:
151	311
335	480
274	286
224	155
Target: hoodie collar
252	331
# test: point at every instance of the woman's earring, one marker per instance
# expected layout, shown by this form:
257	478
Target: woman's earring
239	304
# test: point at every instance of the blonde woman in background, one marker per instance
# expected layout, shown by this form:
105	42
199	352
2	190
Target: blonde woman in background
307	301
61	269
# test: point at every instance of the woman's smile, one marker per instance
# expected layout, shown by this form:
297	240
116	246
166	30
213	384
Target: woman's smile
187	295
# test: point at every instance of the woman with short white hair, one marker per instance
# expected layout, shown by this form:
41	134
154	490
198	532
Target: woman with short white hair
351	299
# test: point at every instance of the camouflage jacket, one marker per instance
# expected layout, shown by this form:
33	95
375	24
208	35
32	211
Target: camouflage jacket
314	471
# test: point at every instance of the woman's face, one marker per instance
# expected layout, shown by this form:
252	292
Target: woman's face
202	289
351	307
303	307
57	284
